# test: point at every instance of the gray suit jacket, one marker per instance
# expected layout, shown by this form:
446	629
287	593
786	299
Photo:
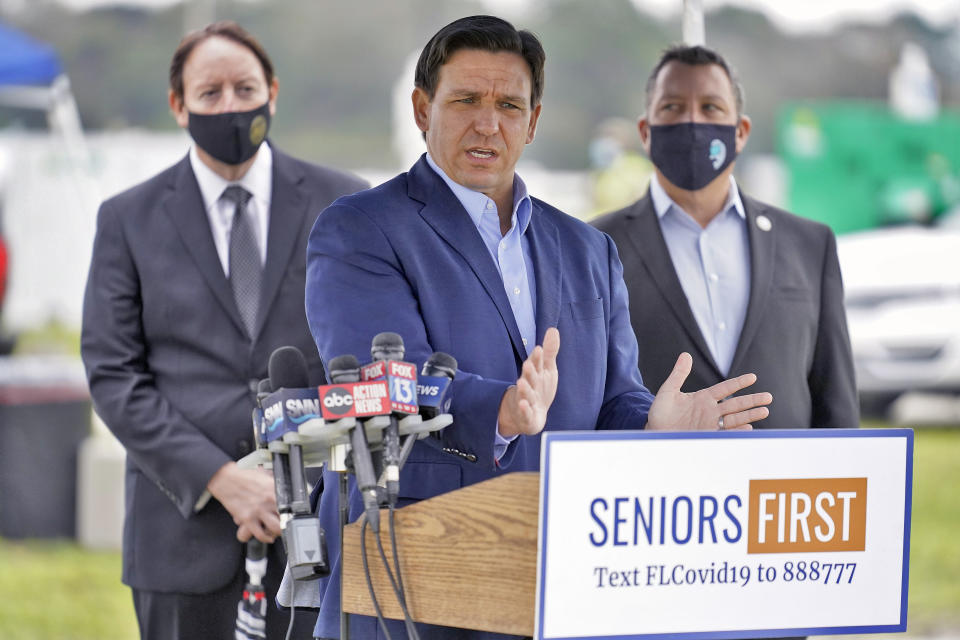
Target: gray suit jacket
171	369
795	333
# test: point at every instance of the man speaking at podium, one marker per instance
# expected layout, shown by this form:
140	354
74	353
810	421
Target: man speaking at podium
196	277
456	256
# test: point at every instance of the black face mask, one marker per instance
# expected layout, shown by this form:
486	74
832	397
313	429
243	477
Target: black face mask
231	138
692	154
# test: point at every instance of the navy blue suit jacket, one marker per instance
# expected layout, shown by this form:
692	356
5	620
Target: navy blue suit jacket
406	257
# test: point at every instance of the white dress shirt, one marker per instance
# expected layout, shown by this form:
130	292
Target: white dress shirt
713	266
258	181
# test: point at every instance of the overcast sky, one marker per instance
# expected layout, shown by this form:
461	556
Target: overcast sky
792	15
807	15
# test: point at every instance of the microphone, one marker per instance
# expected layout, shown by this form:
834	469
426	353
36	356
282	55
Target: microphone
387	351
281	472
387	346
434	384
293	402
433	394
259	431
252	608
263	388
287	369
344	372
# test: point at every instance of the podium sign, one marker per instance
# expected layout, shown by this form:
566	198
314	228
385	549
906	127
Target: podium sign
723	535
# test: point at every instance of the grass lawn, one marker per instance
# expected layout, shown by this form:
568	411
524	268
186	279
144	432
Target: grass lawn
58	591
934	601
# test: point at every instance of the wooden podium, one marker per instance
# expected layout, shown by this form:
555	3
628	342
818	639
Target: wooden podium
468	558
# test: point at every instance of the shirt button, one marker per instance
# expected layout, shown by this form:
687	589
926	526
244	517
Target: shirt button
524	341
714	277
516	291
722	326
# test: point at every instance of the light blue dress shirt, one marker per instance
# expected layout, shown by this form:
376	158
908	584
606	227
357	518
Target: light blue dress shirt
713	265
510	253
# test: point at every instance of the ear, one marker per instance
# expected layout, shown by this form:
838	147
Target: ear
421	109
743	132
177	108
534	118
643	126
274	88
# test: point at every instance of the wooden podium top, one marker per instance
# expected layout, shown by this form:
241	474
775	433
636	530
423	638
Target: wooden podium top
468	558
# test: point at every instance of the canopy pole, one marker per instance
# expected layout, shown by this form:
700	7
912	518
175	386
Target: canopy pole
693	29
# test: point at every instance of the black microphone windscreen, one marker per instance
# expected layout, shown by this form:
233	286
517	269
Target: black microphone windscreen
256	550
345	368
387	346
288	369
440	364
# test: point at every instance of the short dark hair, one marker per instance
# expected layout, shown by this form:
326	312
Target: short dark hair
486	33
696	55
224	29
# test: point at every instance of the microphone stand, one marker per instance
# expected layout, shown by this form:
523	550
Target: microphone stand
338	464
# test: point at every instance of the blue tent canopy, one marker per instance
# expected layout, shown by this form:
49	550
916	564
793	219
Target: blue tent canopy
26	61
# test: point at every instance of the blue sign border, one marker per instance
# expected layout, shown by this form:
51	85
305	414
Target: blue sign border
549	437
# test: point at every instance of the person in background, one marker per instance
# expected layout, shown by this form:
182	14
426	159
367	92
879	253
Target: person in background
741	285
197	275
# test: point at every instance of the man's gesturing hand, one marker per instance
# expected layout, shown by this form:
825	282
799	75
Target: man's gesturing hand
249	496
709	409
523	409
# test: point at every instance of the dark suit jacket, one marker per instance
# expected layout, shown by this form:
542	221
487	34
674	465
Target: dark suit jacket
406	257
171	369
795	333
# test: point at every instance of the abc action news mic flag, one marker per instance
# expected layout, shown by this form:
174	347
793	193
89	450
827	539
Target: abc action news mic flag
399	389
386	387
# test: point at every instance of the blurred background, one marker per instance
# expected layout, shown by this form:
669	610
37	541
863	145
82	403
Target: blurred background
856	123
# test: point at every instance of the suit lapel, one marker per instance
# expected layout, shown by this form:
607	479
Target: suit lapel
545	253
762	264
288	206
644	232
444	213
184	205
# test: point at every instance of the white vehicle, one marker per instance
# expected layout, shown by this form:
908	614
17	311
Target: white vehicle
902	288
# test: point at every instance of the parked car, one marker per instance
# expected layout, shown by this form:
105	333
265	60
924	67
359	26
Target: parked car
3	271
902	289
6	341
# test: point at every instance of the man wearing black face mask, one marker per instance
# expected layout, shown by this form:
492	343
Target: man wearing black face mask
197	276
739	284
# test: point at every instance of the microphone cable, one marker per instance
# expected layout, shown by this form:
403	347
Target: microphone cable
401	591
293	608
411	628
366	574
397	589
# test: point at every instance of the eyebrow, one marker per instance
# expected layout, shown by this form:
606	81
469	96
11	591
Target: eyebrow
518	99
678	96
220	81
470	93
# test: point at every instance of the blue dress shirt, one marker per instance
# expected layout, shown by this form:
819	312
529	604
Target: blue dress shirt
713	266
510	252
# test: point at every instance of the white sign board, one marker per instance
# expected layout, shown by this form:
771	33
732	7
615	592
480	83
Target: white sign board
734	534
